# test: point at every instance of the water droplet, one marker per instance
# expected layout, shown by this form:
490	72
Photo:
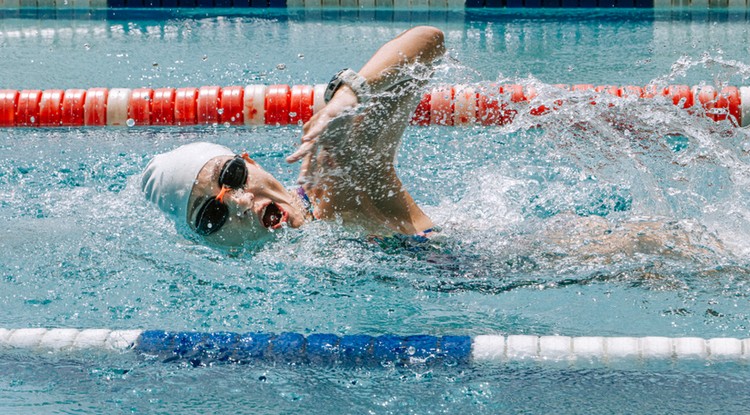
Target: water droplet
130	122
226	124
292	114
205	57
86	46
281	66
301	56
154	64
32	119
220	111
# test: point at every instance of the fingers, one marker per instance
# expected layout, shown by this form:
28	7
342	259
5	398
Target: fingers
306	170
315	127
303	150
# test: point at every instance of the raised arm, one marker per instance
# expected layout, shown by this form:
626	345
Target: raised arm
422	44
348	150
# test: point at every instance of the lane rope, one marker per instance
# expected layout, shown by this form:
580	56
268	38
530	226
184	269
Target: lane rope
276	105
199	347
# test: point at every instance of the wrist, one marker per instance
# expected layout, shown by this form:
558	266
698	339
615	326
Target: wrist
346	96
356	84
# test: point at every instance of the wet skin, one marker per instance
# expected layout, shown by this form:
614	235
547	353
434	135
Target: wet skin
259	197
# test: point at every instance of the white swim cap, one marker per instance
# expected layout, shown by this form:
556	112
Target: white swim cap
169	177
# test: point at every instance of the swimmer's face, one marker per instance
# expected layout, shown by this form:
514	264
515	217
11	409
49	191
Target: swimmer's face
251	208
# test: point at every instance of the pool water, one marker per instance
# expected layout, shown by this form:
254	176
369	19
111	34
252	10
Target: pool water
622	218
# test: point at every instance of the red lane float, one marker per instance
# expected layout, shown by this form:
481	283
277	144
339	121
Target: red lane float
441	106
27	110
422	113
301	104
8	103
207	106
278	98
489	108
493	108
162	107
72	107
139	110
681	95
50	108
651	91
582	87
283	105
185	106
631	91
530	93
608	89
231	104
95	107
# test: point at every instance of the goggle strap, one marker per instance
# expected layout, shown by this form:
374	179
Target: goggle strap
222	193
245	156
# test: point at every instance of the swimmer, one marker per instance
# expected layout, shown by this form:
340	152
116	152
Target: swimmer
347	156
348	173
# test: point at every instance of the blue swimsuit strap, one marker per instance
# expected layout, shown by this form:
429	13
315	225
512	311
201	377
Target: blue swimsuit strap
306	203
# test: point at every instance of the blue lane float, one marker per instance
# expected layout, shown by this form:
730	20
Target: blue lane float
364	350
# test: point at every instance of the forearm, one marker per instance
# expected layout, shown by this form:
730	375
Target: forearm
422	44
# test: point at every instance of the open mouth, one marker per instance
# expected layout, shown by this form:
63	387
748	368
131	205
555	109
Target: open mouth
273	216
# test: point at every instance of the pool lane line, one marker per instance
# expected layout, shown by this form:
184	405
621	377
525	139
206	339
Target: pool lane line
277	105
203	348
341	4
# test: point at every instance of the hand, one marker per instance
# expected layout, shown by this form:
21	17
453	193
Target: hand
313	134
343	100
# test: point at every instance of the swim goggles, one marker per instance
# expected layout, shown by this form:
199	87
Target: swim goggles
214	212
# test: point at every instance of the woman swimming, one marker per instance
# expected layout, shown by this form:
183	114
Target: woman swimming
348	153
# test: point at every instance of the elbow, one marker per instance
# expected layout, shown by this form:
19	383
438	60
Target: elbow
432	40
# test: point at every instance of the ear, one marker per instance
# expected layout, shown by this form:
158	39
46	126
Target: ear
247	158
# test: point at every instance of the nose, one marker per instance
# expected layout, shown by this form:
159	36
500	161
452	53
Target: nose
241	199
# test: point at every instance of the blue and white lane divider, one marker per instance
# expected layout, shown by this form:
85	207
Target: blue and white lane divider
362	349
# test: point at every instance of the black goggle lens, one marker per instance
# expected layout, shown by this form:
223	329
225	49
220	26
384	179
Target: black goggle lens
213	214
234	173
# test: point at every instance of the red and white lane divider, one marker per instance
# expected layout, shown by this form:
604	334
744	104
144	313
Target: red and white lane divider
283	104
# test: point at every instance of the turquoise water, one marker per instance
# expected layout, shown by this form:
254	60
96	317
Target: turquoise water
565	224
